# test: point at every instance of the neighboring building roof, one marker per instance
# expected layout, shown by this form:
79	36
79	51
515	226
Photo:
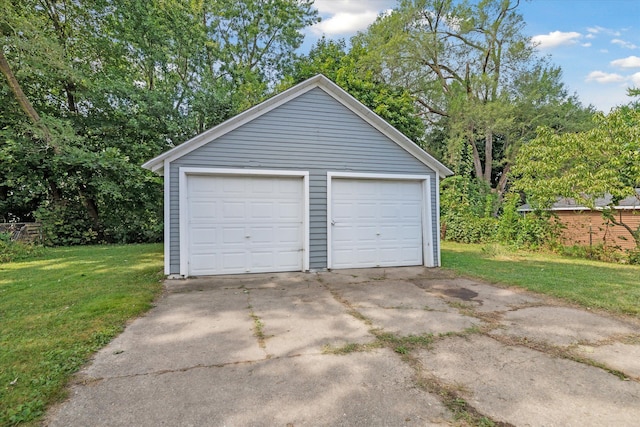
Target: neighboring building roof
157	164
568	204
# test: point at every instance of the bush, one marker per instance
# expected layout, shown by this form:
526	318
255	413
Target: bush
16	251
532	230
66	225
633	256
467	207
596	252
466	228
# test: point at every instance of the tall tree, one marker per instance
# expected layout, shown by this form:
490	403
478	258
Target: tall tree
464	63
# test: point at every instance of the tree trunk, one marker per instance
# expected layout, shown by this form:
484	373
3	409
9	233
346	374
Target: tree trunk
502	182
488	155
477	164
22	99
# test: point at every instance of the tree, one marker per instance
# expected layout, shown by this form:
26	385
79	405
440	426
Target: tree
472	73
113	83
585	165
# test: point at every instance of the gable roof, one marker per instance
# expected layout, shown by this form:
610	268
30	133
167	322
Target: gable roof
319	81
569	204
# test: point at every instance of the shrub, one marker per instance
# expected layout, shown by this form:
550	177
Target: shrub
16	251
596	252
66	225
467	207
532	230
633	256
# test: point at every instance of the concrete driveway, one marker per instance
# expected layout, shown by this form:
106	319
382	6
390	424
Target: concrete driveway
395	346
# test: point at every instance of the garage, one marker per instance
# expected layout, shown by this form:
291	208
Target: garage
308	180
239	223
377	222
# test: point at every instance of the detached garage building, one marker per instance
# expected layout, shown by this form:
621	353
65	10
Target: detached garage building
308	180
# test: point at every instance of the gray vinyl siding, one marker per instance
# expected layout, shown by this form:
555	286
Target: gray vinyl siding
313	133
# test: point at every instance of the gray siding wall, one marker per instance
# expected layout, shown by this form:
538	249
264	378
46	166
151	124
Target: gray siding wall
314	133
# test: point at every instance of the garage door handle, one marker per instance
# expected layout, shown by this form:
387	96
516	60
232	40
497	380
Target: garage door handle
333	222
247	236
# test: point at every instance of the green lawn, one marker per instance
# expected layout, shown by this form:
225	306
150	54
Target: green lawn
612	287
56	310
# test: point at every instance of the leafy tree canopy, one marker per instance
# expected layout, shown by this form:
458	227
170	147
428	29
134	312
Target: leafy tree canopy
93	89
584	165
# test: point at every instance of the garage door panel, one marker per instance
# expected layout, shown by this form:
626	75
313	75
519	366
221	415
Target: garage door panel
377	223
243	224
228	187
203	235
232	209
203	210
287	234
231	261
262	210
231	235
289	210
261	235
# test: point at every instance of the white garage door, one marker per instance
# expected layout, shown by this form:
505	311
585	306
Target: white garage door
244	224
376	223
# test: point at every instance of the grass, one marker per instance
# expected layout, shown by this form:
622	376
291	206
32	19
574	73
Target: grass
592	284
57	309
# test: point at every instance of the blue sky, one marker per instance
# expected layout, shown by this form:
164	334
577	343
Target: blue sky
595	42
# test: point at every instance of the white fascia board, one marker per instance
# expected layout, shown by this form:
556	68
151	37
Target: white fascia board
167	220
437	231
366	175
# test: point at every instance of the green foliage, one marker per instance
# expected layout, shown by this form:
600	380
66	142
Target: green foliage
531	230
633	256
475	78
16	251
598	252
584	166
466	208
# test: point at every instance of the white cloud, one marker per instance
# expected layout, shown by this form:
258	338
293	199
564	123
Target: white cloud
333	7
604	51
555	38
628	62
345	23
624	44
590	36
635	79
602	77
598	29
343	17
586	45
